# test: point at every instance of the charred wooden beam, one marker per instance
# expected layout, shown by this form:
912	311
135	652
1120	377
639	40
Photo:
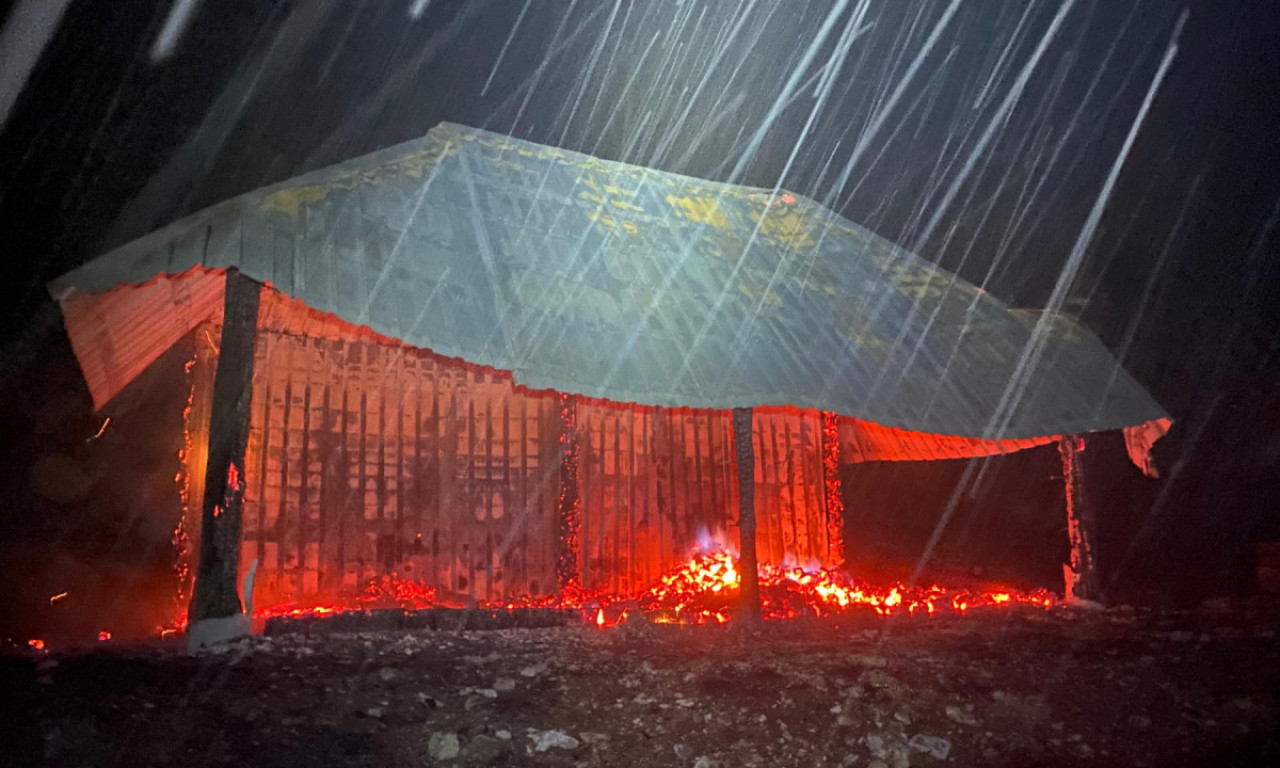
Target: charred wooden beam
832	495
1081	574
746	514
216	596
568	541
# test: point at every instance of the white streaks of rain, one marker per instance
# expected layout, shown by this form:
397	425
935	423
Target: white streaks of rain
175	24
418	8
1030	357
27	30
503	52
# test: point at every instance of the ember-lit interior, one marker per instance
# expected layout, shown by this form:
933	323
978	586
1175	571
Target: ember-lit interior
382	476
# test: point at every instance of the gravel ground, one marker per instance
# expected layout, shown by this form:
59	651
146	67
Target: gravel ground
1011	687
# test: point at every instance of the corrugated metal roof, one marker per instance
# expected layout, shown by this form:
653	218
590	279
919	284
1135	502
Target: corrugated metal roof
612	281
117	334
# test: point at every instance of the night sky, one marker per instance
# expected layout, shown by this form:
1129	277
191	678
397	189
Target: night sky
1180	278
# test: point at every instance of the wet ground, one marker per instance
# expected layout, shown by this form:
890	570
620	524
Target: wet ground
1019	687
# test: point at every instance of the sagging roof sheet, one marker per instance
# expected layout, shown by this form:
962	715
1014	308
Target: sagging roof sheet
618	282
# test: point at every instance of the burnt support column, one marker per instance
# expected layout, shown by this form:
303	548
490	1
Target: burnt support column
1081	574
832	497
216	596
748	570
568	545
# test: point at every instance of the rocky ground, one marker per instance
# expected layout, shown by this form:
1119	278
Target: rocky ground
1017	687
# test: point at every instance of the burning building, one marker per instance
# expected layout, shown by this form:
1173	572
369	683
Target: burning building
472	368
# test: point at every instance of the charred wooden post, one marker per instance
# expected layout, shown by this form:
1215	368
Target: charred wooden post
1081	574
832	497
216	596
750	594
568	563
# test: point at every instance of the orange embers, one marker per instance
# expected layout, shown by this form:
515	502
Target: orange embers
705	589
36	644
388	591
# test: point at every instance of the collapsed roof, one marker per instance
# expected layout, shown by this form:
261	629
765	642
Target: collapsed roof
613	281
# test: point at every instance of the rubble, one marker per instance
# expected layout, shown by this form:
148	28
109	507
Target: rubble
443	746
994	690
544	740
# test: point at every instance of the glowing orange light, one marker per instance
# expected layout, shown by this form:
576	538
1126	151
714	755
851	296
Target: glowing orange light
36	643
600	617
55	598
104	636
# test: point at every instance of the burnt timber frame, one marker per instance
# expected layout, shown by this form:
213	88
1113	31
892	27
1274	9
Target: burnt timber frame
215	595
1080	574
748	572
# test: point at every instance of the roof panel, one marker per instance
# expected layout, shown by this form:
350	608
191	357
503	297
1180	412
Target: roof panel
630	284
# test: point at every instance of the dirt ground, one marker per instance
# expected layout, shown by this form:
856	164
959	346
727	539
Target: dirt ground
1019	687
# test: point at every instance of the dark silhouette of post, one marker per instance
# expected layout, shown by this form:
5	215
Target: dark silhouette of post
1081	574
215	595
750	594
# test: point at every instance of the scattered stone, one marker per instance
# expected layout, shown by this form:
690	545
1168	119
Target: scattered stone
960	715
933	746
544	740
387	674
487	693
504	684
503	734
484	749
427	701
683	751
373	712
533	670
443	746
592	739
643	698
704	762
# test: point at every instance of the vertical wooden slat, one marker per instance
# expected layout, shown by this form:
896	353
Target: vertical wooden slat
507	492
450	427
690	505
777	467
286	442
617	563
264	454
633	578
304	476
750	589
467	554
651	522
759	489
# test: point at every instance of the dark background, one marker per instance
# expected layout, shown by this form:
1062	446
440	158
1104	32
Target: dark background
1180	279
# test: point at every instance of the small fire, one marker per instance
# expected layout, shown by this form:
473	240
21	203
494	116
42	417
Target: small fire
55	598
104	636
36	644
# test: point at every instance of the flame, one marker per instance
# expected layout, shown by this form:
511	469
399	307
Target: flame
36	643
600	618
104	636
705	589
55	598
